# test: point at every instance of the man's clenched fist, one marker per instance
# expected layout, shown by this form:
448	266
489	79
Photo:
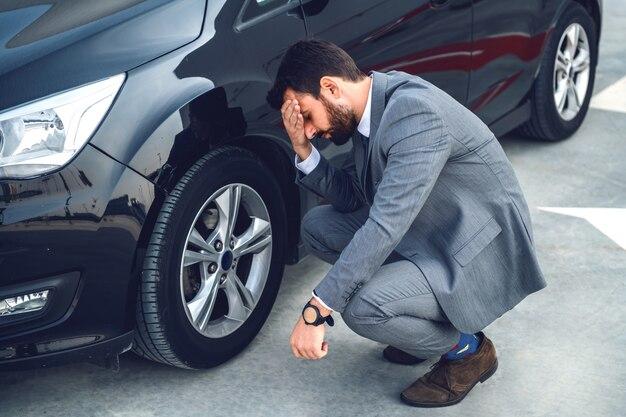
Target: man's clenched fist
307	341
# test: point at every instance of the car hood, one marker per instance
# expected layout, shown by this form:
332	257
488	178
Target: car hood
48	46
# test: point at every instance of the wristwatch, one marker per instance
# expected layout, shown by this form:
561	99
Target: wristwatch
312	316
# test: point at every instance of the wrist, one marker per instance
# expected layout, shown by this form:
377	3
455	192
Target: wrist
303	151
323	310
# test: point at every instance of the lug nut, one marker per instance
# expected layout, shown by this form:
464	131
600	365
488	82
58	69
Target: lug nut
218	245
232	244
212	267
223	278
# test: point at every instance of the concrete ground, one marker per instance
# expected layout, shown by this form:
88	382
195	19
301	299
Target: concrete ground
561	351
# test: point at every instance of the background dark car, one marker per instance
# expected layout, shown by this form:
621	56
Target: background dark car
147	195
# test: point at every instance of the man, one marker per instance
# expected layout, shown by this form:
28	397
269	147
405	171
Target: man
427	228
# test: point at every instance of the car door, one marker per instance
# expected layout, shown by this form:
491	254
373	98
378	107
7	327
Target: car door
508	38
241	58
263	30
431	39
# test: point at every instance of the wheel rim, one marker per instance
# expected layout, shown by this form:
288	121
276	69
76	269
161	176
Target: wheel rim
217	259
571	71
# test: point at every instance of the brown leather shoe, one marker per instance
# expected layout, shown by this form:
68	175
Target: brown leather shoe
448	382
395	355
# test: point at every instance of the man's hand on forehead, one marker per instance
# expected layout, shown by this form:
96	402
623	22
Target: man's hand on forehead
290	102
291	111
294	124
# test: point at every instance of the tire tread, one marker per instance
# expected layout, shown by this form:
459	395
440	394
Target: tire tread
540	125
151	340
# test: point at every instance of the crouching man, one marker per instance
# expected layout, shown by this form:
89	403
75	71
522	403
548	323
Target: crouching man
427	228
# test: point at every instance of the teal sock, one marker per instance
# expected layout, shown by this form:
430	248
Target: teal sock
468	344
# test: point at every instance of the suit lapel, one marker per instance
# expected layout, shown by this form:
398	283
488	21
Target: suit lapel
379	87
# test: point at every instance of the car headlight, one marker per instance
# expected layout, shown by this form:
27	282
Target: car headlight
45	134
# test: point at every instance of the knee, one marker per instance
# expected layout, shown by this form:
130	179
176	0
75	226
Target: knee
361	310
347	315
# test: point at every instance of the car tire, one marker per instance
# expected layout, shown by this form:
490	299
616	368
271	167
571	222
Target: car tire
547	122
165	330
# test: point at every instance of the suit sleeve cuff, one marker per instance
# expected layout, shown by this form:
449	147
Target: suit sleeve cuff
310	163
320	301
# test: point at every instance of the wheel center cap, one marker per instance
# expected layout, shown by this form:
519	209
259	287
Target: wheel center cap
227	260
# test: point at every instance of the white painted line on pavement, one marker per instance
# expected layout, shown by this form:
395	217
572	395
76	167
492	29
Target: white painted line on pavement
610	221
612	98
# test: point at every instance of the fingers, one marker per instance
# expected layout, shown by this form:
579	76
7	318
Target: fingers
284	106
302	352
300	122
295	351
317	353
305	354
286	109
290	111
324	350
308	354
293	116
296	348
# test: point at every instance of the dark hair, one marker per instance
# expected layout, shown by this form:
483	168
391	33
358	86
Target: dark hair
305	63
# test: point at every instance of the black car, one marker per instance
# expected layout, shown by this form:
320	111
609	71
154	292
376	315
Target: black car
147	195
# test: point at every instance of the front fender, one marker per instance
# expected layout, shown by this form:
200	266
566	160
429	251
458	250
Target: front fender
150	101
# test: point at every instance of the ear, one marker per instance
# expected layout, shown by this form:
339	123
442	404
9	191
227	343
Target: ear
329	84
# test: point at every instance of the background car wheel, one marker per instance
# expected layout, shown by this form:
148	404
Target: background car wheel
561	93
214	262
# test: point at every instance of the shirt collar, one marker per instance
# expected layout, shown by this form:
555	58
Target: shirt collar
364	123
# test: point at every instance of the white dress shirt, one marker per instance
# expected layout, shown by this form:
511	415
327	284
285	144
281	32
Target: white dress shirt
313	159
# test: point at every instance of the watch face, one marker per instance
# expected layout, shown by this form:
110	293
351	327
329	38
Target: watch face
309	314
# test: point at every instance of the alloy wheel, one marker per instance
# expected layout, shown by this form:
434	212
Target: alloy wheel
571	71
226	260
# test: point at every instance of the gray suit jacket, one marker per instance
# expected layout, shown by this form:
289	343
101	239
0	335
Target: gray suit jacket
442	193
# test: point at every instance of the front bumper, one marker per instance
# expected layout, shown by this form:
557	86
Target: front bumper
94	352
76	232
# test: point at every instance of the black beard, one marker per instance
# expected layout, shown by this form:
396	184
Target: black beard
342	121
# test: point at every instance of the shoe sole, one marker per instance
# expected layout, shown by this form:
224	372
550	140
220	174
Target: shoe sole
481	379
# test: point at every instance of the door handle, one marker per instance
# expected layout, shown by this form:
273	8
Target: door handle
438	3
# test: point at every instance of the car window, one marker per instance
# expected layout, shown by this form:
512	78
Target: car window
265	2
256	10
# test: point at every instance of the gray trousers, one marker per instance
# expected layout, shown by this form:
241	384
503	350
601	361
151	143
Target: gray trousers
396	306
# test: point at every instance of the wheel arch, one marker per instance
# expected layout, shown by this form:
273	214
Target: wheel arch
593	7
540	124
201	125
274	155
